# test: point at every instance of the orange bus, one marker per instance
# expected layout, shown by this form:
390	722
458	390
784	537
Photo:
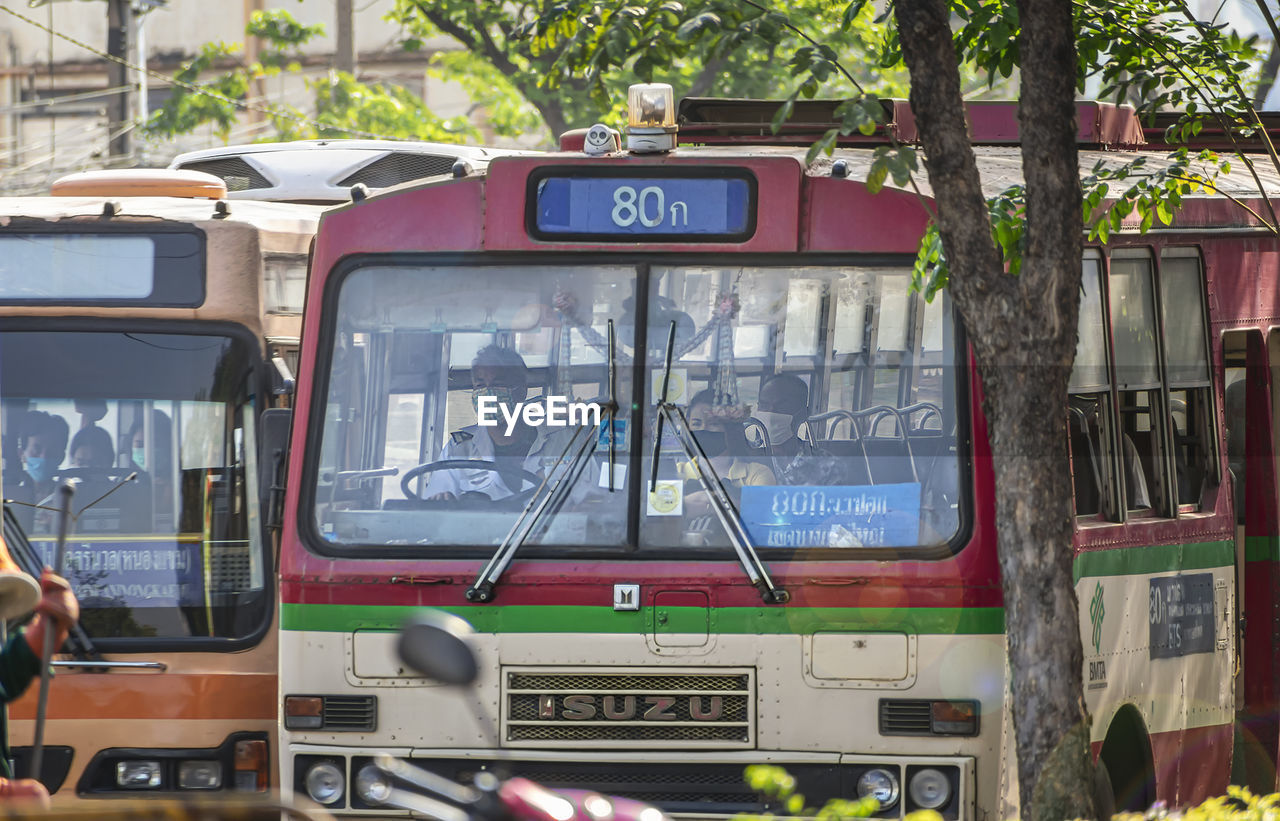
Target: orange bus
143	330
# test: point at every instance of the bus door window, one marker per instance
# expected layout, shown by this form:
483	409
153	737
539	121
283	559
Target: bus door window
1137	378
1187	362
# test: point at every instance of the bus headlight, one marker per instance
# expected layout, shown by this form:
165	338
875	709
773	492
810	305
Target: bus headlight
881	785
372	786
929	789
138	775
325	783
200	775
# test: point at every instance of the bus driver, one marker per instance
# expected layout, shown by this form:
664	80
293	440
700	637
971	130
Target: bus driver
500	373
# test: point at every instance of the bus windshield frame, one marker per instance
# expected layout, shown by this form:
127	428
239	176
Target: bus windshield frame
223	420
631	543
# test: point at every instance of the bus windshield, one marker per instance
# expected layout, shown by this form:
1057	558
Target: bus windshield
823	399
155	431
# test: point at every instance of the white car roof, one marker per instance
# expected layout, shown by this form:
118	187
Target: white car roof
326	170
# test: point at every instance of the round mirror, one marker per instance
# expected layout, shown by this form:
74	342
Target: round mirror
437	645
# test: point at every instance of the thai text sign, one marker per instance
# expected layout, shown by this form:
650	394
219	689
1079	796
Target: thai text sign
832	516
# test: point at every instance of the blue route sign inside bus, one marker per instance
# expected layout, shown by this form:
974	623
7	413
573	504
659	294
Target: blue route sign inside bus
832	515
700	208
126	573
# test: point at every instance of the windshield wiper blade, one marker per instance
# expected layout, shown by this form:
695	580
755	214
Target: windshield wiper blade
723	506
613	408
481	590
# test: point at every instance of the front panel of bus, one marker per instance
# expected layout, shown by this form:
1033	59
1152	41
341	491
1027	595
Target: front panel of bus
778	564
120	374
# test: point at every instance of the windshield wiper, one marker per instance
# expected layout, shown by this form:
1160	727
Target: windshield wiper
723	506
613	408
481	590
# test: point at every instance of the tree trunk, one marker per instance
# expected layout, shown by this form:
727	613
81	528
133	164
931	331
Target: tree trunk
1023	332
552	114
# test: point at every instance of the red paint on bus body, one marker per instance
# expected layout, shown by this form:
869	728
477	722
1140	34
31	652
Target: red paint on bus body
888	222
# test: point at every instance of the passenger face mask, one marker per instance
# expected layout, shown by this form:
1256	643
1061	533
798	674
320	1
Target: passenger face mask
777	425
139	456
37	467
712	442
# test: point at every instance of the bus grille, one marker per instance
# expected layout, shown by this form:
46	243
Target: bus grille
693	787
351	713
604	708
904	716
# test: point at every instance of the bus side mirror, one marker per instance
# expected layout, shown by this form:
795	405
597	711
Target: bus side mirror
273	447
438	645
282	379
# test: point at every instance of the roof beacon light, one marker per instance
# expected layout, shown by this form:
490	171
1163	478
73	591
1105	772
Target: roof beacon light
651	118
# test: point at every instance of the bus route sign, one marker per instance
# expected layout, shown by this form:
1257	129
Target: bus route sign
1181	615
698	209
832	516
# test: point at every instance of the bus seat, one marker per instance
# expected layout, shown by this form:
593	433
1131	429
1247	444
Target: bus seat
1137	467
890	460
1084	465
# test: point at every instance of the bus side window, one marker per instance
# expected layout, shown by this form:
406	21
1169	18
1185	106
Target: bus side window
1089	417
1234	414
1143	442
1187	364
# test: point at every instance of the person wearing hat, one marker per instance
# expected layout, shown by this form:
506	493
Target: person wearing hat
57	610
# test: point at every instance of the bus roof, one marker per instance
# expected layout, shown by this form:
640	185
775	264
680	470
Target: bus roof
999	166
326	170
267	216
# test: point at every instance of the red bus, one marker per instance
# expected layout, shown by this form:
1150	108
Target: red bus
777	545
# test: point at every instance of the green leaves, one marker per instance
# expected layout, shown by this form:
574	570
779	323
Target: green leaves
898	162
694	26
1154	191
778	788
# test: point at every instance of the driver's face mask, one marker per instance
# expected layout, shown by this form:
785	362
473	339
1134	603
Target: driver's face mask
501	396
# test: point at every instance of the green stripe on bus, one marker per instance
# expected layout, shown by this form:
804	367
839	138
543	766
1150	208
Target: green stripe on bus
342	618
1165	558
1262	549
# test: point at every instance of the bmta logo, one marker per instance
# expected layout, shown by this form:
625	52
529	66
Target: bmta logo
1097	611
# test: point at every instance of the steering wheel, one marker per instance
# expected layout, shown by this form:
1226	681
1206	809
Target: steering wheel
469	464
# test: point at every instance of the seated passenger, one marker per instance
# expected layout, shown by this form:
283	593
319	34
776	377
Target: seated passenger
105	502
91	448
712	434
154	468
502	374
784	407
42	445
